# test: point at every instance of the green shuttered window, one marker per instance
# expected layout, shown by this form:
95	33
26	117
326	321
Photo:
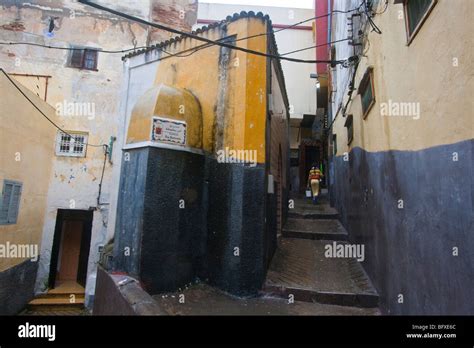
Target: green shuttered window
10	202
366	91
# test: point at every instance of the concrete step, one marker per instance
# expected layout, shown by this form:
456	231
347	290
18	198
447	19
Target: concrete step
299	267
310	211
327	229
55	303
78	295
305	209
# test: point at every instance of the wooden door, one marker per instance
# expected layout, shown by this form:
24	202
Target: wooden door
68	262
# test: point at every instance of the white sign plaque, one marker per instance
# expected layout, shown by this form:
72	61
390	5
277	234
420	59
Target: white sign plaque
169	131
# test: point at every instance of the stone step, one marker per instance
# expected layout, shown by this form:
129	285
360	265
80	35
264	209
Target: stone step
76	311
310	211
55	303
327	229
60	295
300	268
305	209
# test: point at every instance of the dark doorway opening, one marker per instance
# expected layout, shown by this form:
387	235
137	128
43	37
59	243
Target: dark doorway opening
309	154
71	244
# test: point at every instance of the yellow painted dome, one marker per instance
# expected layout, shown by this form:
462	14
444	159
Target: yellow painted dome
166	114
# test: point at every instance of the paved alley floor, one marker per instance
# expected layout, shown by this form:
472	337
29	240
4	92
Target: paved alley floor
202	299
299	270
301	267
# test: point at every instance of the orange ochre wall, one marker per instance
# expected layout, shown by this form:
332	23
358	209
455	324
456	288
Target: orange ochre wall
245	90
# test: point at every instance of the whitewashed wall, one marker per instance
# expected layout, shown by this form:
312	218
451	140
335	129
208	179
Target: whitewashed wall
341	75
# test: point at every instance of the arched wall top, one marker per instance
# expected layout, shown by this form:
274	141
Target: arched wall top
166	114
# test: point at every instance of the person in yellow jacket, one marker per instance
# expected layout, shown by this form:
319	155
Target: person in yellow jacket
314	179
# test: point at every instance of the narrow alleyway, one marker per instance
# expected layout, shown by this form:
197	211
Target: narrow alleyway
300	267
300	281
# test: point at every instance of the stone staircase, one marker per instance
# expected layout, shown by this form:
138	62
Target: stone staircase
66	299
300	267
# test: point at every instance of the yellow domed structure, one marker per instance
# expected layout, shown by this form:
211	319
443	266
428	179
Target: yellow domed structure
166	114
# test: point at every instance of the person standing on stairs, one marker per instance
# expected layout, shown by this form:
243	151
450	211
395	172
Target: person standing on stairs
314	179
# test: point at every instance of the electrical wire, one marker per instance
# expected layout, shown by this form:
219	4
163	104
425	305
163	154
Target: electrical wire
203	39
351	80
194	49
369	19
71	48
101	181
383	11
311	47
42	113
198	48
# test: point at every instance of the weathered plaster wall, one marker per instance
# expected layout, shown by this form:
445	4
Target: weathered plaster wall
417	73
423	163
177	14
27	144
74	181
244	107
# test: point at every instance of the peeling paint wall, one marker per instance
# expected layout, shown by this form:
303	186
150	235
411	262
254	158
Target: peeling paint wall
175	13
74	182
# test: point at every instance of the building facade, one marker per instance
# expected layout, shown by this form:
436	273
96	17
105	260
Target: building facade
82	81
401	145
26	160
302	89
205	160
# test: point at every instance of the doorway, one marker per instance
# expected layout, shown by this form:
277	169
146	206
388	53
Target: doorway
71	244
310	153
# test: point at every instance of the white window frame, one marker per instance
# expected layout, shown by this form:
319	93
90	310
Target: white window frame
71	152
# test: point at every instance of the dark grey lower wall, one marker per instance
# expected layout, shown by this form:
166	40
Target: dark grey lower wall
130	210
409	251
183	216
17	287
237	239
160	218
173	240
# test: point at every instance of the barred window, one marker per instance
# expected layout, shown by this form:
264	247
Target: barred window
71	144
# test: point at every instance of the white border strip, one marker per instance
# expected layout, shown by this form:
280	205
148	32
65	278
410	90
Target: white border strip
162	146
